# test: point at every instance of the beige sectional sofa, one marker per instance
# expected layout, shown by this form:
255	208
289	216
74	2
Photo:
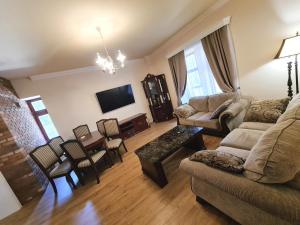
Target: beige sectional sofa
268	191
199	109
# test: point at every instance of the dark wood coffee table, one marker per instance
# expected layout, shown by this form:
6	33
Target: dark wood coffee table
152	154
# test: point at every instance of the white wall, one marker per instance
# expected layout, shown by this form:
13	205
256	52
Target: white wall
9	202
258	28
71	99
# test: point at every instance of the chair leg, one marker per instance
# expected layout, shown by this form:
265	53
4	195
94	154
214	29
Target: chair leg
124	146
70	180
119	154
80	178
53	185
107	155
96	174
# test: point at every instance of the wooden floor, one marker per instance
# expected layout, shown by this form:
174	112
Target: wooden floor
124	196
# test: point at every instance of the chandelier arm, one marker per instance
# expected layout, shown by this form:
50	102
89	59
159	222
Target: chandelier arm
103	42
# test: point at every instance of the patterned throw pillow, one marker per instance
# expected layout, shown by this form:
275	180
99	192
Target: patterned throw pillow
266	111
220	160
184	111
220	109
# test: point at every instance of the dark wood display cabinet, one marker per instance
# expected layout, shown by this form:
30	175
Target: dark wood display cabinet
158	96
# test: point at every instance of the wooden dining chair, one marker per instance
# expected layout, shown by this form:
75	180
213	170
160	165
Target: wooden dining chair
81	159
114	140
100	127
82	130
48	162
55	143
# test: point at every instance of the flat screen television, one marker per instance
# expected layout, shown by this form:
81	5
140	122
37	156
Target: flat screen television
115	98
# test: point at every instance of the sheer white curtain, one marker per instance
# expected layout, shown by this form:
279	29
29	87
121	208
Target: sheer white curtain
200	80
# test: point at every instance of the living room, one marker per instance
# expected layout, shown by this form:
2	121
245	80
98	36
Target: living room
54	54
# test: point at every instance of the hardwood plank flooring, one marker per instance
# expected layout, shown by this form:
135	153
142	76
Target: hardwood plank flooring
124	196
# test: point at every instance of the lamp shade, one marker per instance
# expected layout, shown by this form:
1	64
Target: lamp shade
289	47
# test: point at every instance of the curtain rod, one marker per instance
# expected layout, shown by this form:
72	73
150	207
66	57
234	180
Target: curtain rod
221	23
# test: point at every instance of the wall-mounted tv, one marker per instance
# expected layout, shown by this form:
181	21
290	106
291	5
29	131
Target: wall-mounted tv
115	98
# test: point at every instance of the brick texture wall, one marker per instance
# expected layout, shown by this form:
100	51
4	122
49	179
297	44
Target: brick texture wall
19	135
6	83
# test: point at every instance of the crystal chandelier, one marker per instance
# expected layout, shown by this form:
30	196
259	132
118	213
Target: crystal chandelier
106	62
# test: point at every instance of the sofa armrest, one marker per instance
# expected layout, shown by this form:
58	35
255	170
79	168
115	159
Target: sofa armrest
234	115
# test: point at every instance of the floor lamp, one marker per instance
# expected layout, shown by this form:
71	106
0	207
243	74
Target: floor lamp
290	47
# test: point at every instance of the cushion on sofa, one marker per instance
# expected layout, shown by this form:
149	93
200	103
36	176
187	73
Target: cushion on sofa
214	101
205	121
190	121
266	111
279	200
293	112
215	114
295	100
256	126
184	111
199	103
295	183
242	138
221	160
276	156
234	151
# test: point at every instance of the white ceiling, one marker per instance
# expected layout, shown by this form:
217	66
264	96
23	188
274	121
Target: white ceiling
42	36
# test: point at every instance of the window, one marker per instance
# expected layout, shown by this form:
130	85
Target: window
43	119
200	80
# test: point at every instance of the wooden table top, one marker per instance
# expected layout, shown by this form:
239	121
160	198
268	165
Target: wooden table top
130	118
91	139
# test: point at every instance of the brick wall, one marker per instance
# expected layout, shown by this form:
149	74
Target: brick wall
6	83
19	135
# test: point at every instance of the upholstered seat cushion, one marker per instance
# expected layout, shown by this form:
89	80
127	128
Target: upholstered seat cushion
114	143
96	157
61	169
256	126
242	138
279	200
205	121
190	121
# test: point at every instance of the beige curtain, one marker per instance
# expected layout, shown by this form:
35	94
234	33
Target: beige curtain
219	50
179	72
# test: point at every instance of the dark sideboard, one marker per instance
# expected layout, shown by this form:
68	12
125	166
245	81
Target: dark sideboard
133	125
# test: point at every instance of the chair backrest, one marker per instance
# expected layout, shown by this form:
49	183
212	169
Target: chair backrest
81	130
55	145
44	156
74	150
100	126
111	127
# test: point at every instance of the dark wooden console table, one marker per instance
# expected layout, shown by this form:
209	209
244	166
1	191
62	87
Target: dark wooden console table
133	125
155	152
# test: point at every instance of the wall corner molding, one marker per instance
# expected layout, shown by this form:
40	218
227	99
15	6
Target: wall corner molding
76	71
